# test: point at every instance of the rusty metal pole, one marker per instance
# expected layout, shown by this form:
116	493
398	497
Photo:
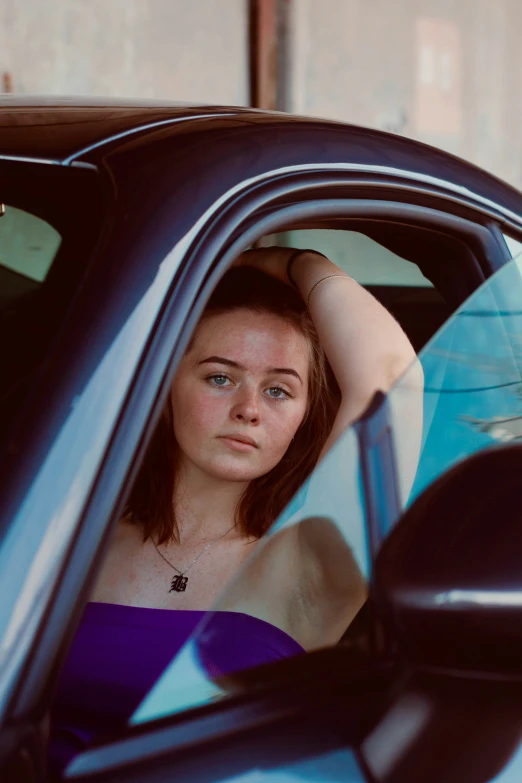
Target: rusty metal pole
263	17
268	23
7	82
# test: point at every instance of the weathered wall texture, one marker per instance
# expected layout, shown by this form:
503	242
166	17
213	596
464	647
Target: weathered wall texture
186	50
447	72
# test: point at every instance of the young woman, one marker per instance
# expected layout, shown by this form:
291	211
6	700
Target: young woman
253	407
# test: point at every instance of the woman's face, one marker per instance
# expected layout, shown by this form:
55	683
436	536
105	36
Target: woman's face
240	394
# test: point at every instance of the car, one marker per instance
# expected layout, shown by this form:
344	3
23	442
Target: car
117	220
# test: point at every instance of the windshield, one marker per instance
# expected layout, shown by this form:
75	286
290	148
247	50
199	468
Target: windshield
463	394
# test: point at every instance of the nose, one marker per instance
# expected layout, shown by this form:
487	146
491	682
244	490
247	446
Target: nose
246	408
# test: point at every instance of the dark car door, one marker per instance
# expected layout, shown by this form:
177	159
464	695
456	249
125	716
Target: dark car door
145	289
357	711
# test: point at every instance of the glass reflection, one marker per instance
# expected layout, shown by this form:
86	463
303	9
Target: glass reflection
326	514
464	393
473	382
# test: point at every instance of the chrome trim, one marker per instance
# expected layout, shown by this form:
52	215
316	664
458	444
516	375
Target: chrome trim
23	159
71	159
456	599
138	129
80	164
479	598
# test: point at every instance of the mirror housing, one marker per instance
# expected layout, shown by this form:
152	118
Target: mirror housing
448	580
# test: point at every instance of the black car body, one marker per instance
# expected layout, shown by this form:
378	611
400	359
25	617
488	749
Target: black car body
151	204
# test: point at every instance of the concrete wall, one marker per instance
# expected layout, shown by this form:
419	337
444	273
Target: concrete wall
186	50
447	72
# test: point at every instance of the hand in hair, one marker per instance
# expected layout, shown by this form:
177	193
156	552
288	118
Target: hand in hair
366	348
271	260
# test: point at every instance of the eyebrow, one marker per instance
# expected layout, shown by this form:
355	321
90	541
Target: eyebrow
230	363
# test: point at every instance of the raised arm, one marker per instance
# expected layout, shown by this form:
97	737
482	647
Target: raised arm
366	347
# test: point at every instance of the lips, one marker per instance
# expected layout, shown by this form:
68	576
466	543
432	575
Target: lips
239	442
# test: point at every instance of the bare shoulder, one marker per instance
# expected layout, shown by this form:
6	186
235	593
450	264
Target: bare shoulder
304	579
311	556
331	586
318	582
326	557
126	539
262	586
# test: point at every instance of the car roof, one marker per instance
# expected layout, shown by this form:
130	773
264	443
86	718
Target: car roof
60	130
57	128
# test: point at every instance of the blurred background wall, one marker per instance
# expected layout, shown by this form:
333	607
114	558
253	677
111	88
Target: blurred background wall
185	50
448	72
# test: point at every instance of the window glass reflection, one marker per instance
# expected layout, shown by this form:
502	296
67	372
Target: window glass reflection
472	378
328	513
464	394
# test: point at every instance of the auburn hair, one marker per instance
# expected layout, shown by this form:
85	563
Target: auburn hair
151	499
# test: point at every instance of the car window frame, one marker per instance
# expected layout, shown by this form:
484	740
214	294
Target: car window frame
258	719
203	264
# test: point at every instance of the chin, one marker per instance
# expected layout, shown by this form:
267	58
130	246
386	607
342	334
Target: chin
225	471
234	474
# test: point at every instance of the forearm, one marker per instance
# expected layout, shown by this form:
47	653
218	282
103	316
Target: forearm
366	347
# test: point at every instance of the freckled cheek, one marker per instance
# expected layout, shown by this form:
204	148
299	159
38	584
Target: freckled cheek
198	412
282	432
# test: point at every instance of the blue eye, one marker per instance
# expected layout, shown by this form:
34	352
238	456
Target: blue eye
218	380
280	394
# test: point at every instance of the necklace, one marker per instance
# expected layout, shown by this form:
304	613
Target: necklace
179	582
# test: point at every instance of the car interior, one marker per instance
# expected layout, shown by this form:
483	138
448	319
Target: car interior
419	274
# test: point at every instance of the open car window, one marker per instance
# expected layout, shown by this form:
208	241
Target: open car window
360	256
463	394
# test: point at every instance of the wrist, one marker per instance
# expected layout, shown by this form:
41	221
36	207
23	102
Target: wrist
341	276
314	255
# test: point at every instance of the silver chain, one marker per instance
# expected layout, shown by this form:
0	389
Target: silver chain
183	573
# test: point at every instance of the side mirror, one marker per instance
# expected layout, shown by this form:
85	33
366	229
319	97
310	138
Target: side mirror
448	579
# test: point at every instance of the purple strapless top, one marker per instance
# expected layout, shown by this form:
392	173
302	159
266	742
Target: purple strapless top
119	652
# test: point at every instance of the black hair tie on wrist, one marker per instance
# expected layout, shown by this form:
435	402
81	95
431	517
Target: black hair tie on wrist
291	260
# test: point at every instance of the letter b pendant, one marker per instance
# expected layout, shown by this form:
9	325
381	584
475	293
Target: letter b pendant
179	584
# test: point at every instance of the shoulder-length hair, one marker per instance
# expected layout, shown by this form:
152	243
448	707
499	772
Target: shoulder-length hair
151	500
